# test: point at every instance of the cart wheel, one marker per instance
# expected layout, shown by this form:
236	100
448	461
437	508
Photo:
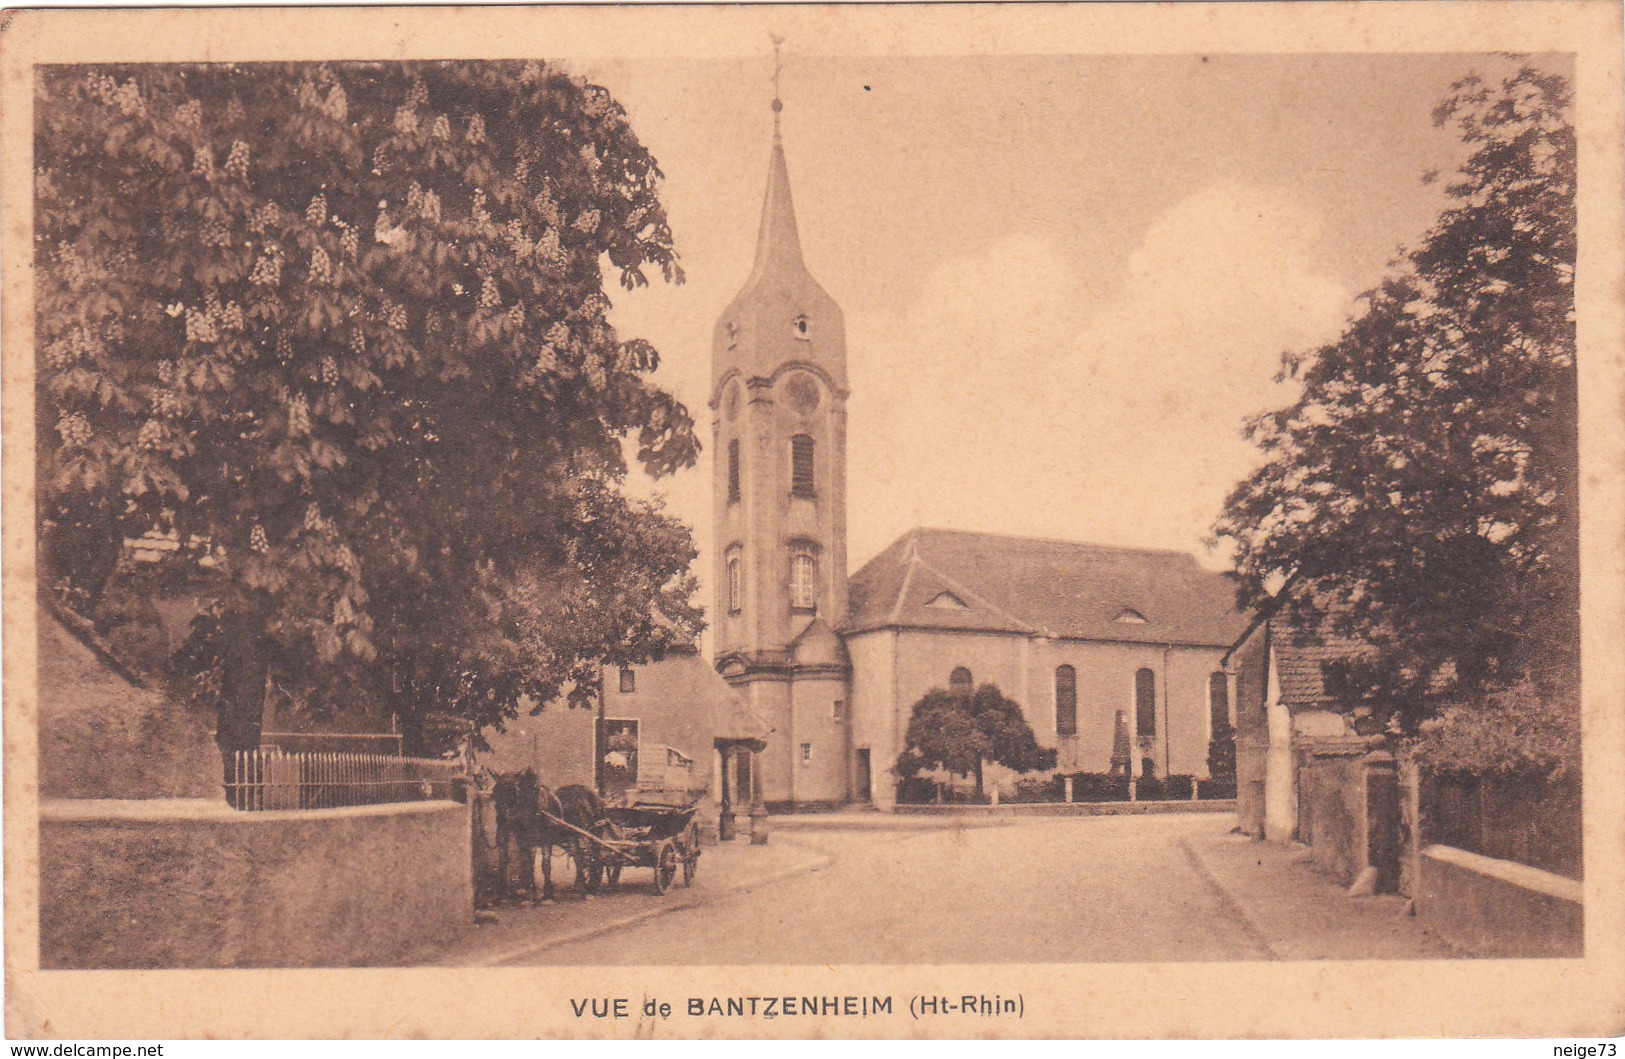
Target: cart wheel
666	866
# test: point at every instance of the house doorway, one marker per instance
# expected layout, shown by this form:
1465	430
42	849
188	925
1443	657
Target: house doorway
861	781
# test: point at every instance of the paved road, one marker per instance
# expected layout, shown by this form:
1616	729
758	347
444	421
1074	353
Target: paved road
1061	889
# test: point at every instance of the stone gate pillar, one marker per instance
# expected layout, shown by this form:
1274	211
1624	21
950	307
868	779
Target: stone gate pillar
1382	812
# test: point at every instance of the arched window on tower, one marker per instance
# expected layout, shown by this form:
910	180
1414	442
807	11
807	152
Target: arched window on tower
733	470
735	576
803	577
1145	702
959	679
1218	701
801	466
1066	700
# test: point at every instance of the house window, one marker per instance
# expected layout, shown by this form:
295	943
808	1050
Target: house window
806	753
1066	700
840	710
1145	702
1218	701
801	465
803	579
733	470
629	681
736	589
959	679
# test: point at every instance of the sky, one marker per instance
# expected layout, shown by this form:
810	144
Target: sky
1067	280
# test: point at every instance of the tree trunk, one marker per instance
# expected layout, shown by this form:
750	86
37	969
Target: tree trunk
240	713
978	778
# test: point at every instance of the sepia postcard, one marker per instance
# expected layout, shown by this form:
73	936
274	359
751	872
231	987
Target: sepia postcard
886	521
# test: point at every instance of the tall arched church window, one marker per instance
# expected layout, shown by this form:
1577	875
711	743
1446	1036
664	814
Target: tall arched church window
801	465
1066	700
733	470
1218	701
735	577
959	679
1145	702
803	578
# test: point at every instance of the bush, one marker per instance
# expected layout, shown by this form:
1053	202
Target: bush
1178	788
1522	730
1099	787
1221	752
1038	790
916	790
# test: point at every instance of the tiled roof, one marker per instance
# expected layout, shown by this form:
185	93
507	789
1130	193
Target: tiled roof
1051	588
1304	646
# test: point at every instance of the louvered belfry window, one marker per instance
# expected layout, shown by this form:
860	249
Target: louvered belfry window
733	470
801	465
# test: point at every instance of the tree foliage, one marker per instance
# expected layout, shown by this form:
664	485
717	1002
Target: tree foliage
1421	494
340	330
958	730
1221	752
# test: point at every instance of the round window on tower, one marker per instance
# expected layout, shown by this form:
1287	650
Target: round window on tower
801	327
801	391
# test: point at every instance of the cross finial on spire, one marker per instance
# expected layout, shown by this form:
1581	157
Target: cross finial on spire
778	68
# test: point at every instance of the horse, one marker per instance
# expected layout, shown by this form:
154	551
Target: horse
529	814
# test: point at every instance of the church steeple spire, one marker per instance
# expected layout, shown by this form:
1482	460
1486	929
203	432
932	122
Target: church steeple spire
780	315
778	243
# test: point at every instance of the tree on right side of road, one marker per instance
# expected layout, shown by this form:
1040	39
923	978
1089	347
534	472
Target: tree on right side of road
1422	493
960	730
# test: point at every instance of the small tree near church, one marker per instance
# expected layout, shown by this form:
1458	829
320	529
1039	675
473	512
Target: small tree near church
959	730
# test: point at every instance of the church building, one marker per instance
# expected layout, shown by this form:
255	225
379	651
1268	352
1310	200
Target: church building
1103	647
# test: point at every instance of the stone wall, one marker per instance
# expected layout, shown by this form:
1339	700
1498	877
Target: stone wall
1498	908
1331	812
184	883
101	735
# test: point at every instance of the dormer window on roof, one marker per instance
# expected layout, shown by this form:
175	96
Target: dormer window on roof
1130	616
946	601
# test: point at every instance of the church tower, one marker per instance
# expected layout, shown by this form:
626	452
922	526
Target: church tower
778	403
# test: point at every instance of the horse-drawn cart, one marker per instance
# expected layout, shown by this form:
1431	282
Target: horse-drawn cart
662	837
